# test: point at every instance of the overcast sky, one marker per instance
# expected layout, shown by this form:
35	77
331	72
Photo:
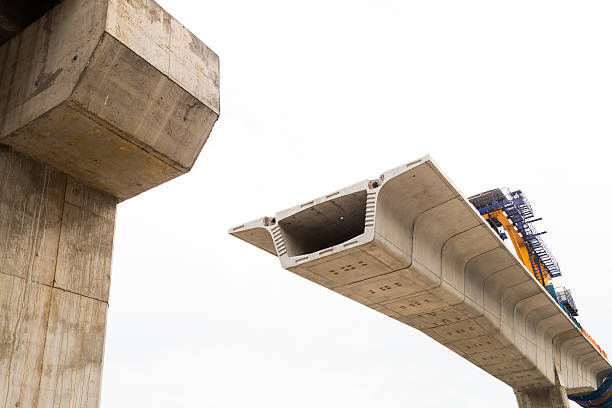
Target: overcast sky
317	95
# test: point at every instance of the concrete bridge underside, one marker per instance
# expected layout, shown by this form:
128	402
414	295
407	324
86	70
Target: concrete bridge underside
410	246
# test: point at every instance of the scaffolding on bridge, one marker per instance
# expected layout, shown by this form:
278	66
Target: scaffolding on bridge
511	215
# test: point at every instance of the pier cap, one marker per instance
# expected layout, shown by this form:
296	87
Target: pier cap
116	93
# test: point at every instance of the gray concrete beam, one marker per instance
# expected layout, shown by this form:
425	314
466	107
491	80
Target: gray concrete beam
116	94
410	246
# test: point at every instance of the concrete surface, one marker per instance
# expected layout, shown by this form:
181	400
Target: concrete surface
100	100
410	246
553	397
56	238
117	94
17	15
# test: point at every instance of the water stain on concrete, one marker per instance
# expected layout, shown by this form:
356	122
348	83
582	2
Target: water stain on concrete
45	80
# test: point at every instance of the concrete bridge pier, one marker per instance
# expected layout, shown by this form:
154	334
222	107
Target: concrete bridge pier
56	246
100	100
552	397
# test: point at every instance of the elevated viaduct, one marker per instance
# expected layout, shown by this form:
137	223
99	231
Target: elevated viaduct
410	246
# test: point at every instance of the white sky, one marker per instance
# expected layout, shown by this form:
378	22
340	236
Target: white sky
318	95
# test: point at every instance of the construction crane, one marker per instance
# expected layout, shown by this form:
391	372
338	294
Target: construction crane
510	214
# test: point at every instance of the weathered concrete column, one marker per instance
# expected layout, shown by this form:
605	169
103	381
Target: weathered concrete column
552	397
56	239
100	100
545	397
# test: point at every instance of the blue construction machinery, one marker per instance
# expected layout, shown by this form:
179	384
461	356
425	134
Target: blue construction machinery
500	205
602	398
510	214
